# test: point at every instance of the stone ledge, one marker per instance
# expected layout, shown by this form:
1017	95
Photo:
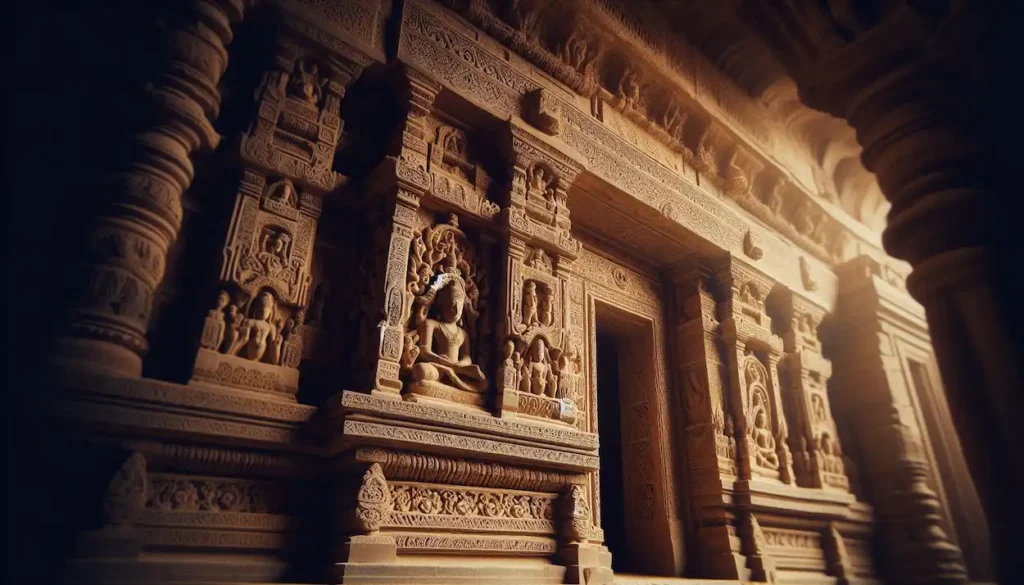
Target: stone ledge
166	410
770	497
542	433
395	435
157	393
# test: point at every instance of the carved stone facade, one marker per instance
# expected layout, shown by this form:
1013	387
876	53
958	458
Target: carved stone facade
431	221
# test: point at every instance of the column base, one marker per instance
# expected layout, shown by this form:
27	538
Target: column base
96	356
453	571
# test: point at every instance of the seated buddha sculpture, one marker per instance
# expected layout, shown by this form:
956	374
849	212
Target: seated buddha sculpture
444	355
764	442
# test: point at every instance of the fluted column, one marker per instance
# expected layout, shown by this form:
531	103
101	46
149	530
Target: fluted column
871	385
922	118
139	212
943	221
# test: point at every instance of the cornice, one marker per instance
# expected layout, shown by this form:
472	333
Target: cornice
639	83
354	29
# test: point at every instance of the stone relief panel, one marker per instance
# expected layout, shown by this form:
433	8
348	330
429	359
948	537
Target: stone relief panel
447	325
753	353
252	336
540	373
818	459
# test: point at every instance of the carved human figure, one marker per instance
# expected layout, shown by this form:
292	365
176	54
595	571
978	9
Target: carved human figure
213	329
764	442
577	53
547	311
283	193
774	201
444	351
538	376
260	329
531	304
818	405
540	183
234	331
305	83
629	89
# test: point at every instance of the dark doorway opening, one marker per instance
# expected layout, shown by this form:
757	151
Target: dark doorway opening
609	408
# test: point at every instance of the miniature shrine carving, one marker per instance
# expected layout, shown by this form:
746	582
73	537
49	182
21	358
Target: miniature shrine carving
760	411
251	339
445	305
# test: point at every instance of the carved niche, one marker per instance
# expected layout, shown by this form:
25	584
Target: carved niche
754	353
760	426
298	124
251	337
442	353
540	373
458	179
818	459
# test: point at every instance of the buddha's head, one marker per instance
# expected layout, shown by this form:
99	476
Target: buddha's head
538	351
760	420
222	300
263	306
451	299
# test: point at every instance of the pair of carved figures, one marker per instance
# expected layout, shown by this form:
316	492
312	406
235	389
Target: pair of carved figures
443	297
260	335
538	309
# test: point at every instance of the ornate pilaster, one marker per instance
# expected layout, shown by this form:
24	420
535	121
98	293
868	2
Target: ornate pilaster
541	370
709	426
140	212
398	184
870	386
252	337
804	373
752	353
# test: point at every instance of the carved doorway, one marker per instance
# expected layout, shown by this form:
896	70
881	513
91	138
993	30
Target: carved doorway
637	526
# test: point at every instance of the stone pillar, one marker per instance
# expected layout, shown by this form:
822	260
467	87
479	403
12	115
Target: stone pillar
140	211
252	337
397	184
752	354
814	442
710	425
931	147
541	372
870	386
